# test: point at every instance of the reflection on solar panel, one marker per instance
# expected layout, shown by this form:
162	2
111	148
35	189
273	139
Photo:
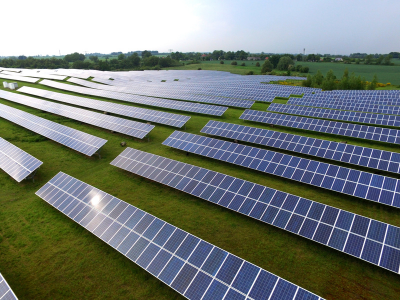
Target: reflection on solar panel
350	116
170	104
119	109
16	162
124	126
75	139
19	78
364	238
352	182
357	155
189	265
5	291
344	129
364	107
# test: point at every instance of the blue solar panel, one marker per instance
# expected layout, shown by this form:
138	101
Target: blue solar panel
75	139
319	222
5	291
16	162
357	155
162	103
338	128
186	263
331	177
349	116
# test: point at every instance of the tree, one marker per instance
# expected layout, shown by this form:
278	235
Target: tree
94	58
133	61
305	70
329	83
373	84
284	63
257	64
267	66
368	59
121	56
299	57
74	57
386	60
379	60
221	62
146	54
234	63
150	61
307	82
317	79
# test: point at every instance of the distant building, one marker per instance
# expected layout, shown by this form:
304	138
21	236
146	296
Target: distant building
338	59
253	58
266	58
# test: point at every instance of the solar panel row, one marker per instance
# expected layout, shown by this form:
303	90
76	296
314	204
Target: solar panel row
128	127
5	291
357	155
349	116
75	139
186	263
364	238
16	162
170	104
332	127
119	109
18	78
374	187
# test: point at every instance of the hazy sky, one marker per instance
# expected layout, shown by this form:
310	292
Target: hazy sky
336	27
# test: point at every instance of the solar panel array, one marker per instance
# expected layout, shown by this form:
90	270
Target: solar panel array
357	155
364	238
16	162
170	104
5	291
332	127
363	107
349	116
75	139
119	109
36	74
186	263
128	127
374	187
18	78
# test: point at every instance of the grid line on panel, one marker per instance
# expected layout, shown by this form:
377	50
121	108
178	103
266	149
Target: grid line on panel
321	223
6	293
378	134
156	246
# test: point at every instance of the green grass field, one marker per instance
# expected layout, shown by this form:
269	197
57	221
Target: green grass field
45	255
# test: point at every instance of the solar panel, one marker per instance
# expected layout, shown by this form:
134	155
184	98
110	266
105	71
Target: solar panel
357	155
170	104
5	291
16	162
119	109
364	107
80	141
349	116
19	78
332	127
364	238
352	182
131	128
191	266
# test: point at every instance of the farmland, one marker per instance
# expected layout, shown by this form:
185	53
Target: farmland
45	255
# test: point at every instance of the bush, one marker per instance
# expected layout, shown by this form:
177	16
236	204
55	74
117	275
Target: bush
199	69
243	64
250	73
305	69
234	63
284	63
266	67
298	68
221	62
257	64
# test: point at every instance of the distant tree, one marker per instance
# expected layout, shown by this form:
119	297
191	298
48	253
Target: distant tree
284	63
357	61
307	82
305	69
386	60
121	56
74	57
329	83
22	57
241	55
150	61
133	61
317	79
230	55
94	58
234	63
379	60
257	64
267	66
299	57
368	59
373	84
146	54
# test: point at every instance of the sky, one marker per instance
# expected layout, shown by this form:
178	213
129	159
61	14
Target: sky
42	27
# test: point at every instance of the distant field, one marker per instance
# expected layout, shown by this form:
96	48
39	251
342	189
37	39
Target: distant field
385	73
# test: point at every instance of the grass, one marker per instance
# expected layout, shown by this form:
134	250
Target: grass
45	255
